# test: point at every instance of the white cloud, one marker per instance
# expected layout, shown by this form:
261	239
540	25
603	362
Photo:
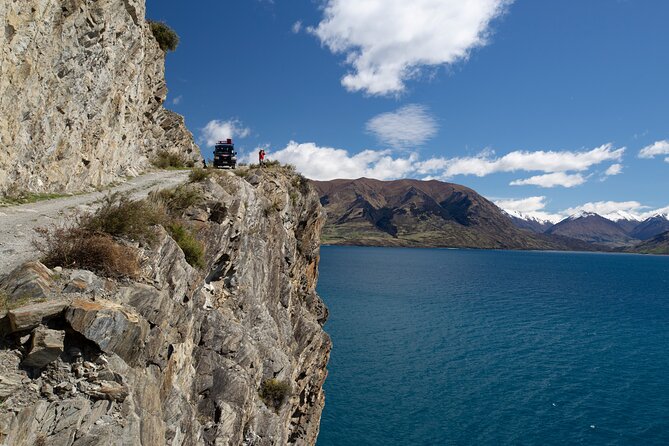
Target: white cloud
605	208
532	207
388	42
551	180
655	149
614	169
177	100
529	204
409	126
542	161
297	27
218	130
327	163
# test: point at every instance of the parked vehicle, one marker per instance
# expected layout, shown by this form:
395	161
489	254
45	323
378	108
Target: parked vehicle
225	155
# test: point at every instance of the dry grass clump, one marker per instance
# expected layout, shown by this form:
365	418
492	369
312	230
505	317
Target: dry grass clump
75	247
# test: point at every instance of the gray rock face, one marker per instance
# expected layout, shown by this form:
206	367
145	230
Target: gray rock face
179	356
46	346
81	95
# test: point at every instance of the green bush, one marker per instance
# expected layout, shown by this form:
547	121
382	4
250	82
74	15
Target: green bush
166	37
274	392
122	217
191	246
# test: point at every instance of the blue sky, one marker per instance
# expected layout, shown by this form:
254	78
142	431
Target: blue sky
545	105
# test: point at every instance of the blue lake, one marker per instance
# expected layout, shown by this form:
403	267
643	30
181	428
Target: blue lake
467	347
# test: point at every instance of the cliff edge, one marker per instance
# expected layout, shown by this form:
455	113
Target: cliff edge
230	352
82	88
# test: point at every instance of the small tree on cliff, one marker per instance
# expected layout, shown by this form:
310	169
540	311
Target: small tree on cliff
167	38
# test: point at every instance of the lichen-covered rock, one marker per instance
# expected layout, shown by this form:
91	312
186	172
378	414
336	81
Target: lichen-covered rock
82	88
179	356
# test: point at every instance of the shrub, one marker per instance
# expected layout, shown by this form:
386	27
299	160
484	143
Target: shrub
166	160
198	175
167	38
178	199
73	247
273	392
122	217
191	246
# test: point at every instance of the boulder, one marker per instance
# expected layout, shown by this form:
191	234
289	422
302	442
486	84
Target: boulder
114	328
82	281
31	280
46	346
30	316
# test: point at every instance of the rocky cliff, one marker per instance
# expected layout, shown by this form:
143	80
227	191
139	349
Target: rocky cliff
178	355
81	92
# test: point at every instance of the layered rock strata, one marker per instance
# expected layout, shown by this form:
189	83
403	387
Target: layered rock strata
178	356
82	88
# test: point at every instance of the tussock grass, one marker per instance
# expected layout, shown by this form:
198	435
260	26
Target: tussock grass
75	247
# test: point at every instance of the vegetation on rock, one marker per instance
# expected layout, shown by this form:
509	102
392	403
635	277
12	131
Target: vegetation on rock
192	248
90	241
167	38
198	175
122	217
75	247
274	392
170	160
177	200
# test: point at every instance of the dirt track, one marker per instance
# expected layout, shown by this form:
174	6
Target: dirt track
17	223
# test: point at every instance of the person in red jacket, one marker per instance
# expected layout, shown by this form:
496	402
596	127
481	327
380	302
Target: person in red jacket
261	157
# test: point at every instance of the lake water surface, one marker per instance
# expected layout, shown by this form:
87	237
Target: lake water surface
467	347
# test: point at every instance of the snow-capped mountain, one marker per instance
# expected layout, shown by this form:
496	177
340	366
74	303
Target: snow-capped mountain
651	227
614	228
593	228
534	221
626	220
623	215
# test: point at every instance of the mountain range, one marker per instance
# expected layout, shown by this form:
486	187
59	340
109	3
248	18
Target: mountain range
620	229
438	214
424	213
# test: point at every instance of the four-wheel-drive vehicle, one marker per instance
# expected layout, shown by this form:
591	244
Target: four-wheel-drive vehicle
225	155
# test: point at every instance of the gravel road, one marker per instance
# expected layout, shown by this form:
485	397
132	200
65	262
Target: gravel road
17	223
